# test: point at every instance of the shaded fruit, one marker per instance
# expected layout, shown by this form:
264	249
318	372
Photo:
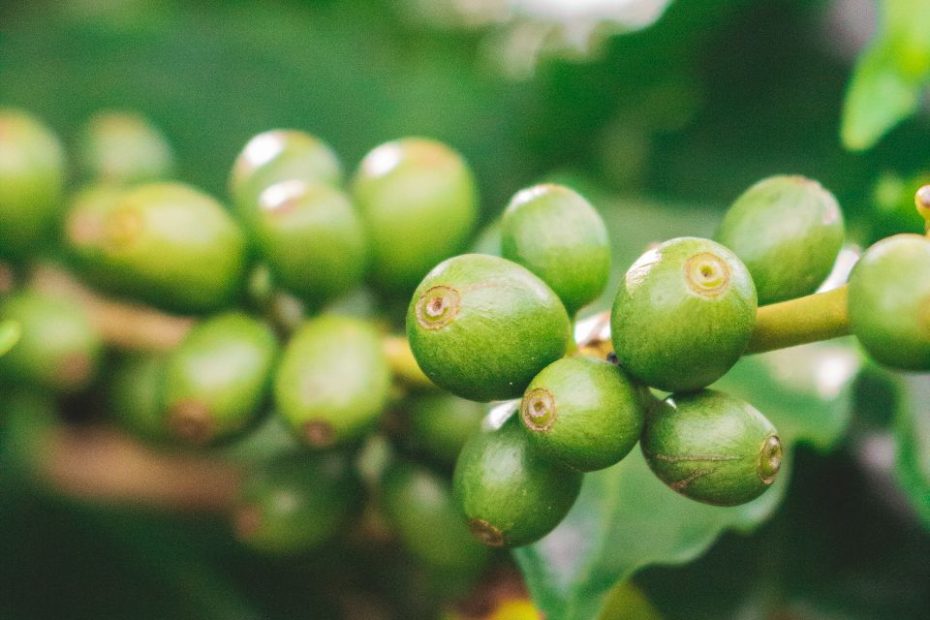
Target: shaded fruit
439	424
555	233
481	327
311	238
167	244
585	413
135	392
419	203
683	314
58	347
510	494
217	379
712	447
889	302
123	148
333	380
421	509
788	231
275	156
295	503
32	176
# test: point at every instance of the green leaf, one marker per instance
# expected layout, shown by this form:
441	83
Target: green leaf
626	518
889	76
912	431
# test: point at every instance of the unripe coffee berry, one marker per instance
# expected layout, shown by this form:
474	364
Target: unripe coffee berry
788	231
419	203
889	302
123	148
135	396
439	424
333	380
712	447
683	314
217	379
585	413
481	327
510	494
555	233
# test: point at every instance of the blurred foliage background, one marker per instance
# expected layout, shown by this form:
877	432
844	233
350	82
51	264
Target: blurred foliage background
689	111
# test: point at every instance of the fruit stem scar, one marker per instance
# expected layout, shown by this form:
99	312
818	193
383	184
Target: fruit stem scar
318	433
486	533
437	307
539	410
770	456
922	202
798	321
190	420
707	274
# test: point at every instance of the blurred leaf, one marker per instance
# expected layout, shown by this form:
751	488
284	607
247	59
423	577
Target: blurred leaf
887	83
625	518
912	430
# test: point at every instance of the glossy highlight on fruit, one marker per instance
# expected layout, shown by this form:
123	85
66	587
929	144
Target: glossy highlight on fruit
333	380
683	314
311	238
123	148
419	203
585	413
295	503
481	327
58	348
32	176
788	231
555	233
166	244
889	302
712	447
510	494
216	381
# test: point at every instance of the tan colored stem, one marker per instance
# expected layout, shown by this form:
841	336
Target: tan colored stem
403	364
821	316
103	465
122	325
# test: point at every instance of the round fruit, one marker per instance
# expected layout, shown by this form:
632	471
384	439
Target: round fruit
164	243
683	315
511	495
583	412
555	233
889	302
333	380
712	447
280	155
124	148
481	327
440	424
421	509
32	176
58	348
135	396
217	378
788	231
295	503
312	239
419	203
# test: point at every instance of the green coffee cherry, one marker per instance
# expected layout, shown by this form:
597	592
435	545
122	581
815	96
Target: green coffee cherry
295	503
583	412
123	148
510	494
788	231
58	348
216	380
164	243
333	380
712	447
10	333
312	239
135	398
481	327
439	424
683	315
419	203
32	176
555	233
420	507
280	155
889	302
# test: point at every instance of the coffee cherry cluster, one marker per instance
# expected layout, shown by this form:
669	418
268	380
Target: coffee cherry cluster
495	328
